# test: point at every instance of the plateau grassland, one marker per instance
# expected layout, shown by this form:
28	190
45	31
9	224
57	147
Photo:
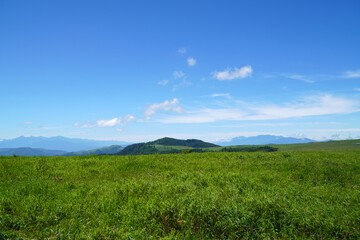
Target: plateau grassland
213	195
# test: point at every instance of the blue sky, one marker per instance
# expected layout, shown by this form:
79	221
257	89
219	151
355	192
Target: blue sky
140	70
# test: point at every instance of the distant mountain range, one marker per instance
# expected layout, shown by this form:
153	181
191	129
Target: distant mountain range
264	140
58	143
26	151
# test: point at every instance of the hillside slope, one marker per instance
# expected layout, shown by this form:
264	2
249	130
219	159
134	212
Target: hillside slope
353	144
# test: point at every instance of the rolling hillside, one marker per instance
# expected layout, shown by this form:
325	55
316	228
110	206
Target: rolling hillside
353	144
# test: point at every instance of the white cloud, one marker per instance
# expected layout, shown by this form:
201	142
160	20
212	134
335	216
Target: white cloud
119	130
28	123
163	82
191	61
309	106
178	74
165	106
228	74
108	123
225	95
182	51
300	77
352	74
128	118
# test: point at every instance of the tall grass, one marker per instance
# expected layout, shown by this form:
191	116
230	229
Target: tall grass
176	196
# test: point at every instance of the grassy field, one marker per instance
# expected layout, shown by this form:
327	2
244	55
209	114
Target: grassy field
279	195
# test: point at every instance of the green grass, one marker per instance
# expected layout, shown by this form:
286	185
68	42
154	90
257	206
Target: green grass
280	195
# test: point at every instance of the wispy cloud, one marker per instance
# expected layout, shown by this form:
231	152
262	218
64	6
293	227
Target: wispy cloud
207	115
128	118
183	83
178	74
182	51
357	89
308	106
191	61
28	123
253	124
166	106
225	95
230	74
108	123
334	130
163	82
300	77
351	74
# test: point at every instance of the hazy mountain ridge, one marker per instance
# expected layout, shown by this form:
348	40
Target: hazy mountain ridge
264	140
26	151
99	151
59	143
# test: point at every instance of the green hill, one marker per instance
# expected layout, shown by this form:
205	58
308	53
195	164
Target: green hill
193	143
166	145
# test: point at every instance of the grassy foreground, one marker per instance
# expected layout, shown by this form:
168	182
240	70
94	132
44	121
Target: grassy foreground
280	195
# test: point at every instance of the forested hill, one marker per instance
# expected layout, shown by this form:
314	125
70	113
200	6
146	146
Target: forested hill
166	145
193	143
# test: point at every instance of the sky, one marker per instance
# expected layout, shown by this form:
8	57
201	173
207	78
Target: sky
140	70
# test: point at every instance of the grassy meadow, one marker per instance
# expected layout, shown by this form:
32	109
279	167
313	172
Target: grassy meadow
278	195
